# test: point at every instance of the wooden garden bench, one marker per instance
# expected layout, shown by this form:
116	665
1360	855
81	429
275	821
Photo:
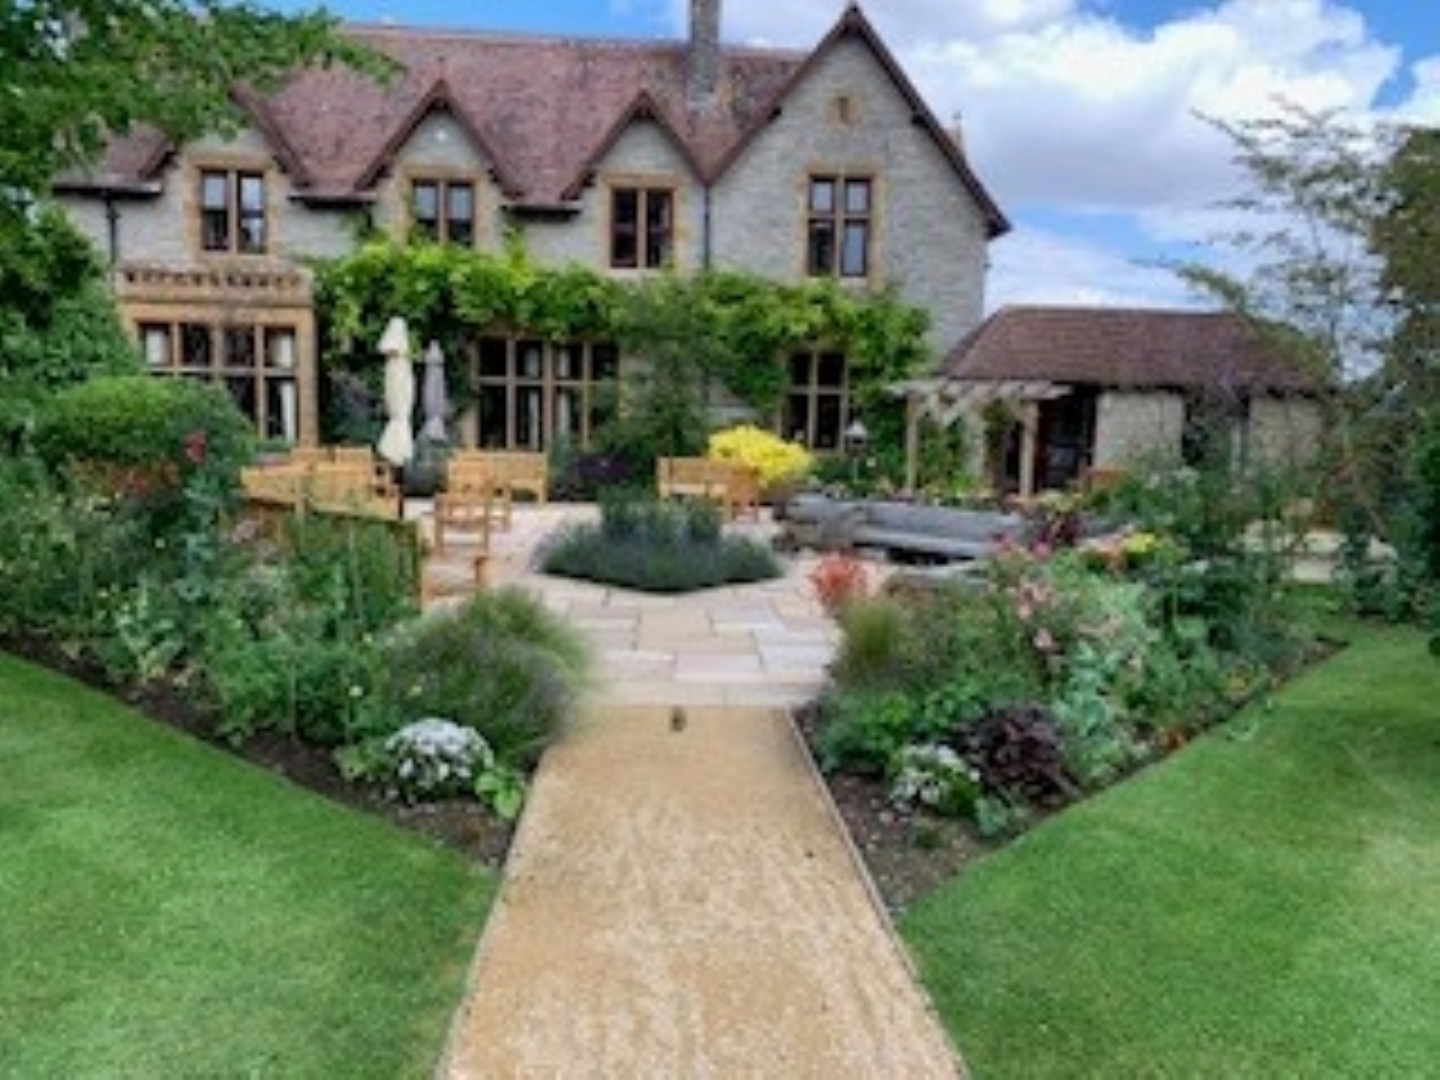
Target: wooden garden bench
728	483
515	470
320	487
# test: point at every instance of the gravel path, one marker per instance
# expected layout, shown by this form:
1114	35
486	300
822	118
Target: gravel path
680	902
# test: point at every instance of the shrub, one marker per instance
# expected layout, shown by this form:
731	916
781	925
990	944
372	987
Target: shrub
287	642
434	758
62	558
582	477
931	638
865	730
499	663
775	461
145	429
663	547
430	758
1019	753
872	643
934	776
364	571
296	682
58	321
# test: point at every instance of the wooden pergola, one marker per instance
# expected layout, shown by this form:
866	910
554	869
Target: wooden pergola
945	400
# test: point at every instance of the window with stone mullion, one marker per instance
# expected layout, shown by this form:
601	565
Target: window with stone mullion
232	211
641	228
839	227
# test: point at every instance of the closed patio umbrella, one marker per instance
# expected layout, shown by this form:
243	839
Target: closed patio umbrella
397	441
433	397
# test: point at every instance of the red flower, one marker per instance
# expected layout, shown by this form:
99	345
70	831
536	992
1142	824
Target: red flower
839	580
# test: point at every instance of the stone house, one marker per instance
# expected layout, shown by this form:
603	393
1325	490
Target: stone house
628	157
1066	393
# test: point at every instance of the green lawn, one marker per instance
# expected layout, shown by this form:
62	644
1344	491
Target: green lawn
166	910
1265	904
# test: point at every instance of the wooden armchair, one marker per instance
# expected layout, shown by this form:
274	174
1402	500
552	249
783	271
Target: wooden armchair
473	500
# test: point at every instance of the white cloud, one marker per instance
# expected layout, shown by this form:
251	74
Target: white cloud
1040	266
1423	104
1087	112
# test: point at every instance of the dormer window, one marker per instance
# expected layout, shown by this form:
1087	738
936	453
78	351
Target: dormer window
443	211
642	228
232	211
840	226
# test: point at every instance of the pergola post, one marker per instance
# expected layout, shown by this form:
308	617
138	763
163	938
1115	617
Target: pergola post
1029	441
946	399
912	440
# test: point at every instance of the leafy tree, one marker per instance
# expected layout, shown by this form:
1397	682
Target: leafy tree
74	71
1341	221
1406	237
1303	249
57	322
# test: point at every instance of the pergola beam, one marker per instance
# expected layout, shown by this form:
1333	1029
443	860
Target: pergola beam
945	400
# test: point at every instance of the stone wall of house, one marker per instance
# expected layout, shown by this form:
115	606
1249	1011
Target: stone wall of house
644	156
1133	426
847	117
1285	432
165	230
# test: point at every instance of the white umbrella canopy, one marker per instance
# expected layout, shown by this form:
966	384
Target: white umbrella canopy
397	441
433	396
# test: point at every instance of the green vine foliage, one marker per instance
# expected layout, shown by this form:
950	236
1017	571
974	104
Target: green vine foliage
737	328
448	293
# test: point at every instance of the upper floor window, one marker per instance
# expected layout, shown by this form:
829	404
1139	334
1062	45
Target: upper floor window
839	229
232	211
443	210
642	231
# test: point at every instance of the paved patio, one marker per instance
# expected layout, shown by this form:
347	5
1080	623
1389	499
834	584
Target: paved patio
762	644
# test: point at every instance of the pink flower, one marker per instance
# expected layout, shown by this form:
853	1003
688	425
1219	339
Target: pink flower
196	445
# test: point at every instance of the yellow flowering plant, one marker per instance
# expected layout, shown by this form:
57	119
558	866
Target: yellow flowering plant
774	460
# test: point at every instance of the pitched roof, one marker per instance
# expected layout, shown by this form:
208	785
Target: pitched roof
1127	347
543	110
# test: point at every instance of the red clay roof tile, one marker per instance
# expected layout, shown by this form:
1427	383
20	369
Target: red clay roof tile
539	108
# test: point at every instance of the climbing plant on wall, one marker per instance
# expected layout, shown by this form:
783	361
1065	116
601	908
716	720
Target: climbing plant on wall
738	327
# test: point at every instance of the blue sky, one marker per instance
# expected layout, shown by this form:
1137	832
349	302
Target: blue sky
1081	116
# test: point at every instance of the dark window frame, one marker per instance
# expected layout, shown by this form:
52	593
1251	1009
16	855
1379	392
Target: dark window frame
819	399
449	222
234	211
532	393
642	227
840	226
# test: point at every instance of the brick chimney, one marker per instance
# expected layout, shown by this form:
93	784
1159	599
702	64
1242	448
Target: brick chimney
703	62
